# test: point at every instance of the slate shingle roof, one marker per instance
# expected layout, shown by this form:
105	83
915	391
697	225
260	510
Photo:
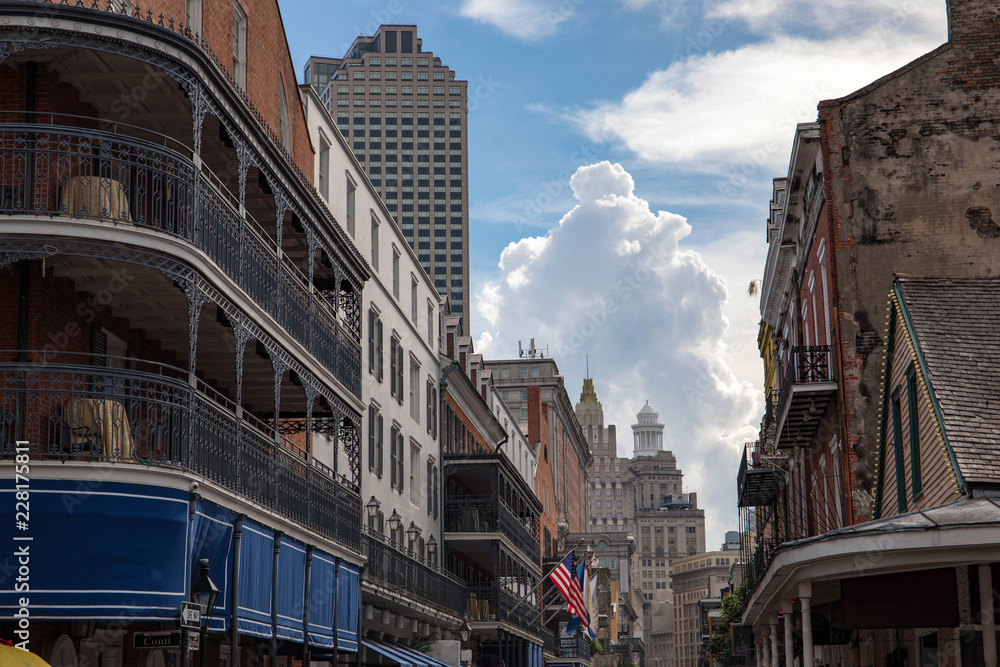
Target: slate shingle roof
957	326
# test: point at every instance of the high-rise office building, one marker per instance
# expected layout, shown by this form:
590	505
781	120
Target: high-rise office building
406	117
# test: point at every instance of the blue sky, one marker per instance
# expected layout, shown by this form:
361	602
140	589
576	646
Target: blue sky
641	263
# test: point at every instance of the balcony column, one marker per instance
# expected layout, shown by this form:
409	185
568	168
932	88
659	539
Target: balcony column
279	367
311	245
761	651
986	615
195	300
805	596
241	336
773	621
789	622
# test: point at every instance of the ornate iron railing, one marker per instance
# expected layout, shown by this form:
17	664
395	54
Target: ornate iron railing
150	181
491	602
486	514
411	575
149	415
810	365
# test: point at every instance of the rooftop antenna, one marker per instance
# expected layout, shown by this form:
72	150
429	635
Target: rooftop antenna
588	366
520	350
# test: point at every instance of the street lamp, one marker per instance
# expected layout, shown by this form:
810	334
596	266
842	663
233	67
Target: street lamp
394	520
465	631
412	533
205	593
432	547
373	507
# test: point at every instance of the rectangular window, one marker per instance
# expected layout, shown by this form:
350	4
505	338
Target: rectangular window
349	218
390	45
375	439
430	405
374	243
414	474
324	169
406	44
395	272
430	324
375	343
239	45
414	390
192	15
413	299
911	395
897	436
430	485
394	463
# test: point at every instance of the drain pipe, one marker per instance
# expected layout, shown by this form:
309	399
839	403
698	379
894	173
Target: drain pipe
234	595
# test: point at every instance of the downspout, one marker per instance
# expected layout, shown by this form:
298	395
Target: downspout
305	607
274	595
336	605
234	595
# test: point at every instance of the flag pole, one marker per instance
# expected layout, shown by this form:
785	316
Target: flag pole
547	575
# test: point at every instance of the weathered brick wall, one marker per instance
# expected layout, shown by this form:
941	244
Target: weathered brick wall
912	164
539	434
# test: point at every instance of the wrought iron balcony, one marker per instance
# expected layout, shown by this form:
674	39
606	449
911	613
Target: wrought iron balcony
760	475
493	603
411	575
806	391
576	647
137	178
150	415
487	514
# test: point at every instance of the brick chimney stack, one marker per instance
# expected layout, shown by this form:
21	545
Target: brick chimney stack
973	21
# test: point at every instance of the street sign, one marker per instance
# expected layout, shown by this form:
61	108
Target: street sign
150	640
190	615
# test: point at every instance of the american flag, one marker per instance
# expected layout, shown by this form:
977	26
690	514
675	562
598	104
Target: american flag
565	580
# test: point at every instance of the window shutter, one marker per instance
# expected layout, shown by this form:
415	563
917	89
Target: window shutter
379	454
378	350
392	462
371	437
430	485
98	347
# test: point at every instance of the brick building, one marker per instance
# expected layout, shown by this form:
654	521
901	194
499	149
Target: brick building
185	322
895	178
551	416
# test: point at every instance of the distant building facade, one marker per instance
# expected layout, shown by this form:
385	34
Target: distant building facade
695	578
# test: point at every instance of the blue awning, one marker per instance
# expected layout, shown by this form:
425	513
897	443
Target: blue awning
102	551
256	577
322	589
291	586
404	656
212	538
348	607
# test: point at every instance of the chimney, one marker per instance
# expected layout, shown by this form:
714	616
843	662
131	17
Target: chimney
972	21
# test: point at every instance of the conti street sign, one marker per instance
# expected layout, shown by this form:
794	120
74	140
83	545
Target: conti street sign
149	640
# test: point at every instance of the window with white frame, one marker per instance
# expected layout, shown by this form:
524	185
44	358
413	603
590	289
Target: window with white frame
375	226
349	217
414	473
239	45
415	390
413	299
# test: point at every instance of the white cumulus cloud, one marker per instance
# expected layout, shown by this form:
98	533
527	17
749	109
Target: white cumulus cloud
524	19
652	320
732	110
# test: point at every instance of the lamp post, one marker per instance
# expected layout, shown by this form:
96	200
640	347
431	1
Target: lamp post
465	630
394	520
412	533
205	593
432	547
373	507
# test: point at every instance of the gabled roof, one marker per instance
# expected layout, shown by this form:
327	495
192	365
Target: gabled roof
954	324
